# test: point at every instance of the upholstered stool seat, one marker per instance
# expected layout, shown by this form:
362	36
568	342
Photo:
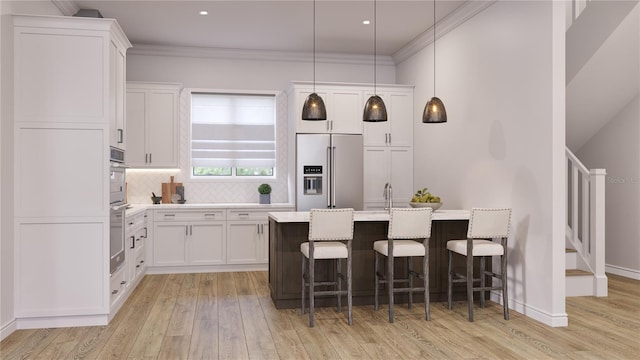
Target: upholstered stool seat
484	224
405	226
326	250
330	236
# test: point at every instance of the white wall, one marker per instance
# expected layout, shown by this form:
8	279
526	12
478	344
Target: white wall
616	148
234	74
501	77
7	324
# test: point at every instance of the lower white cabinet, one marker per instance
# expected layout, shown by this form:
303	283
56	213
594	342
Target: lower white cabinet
247	242
211	239
177	242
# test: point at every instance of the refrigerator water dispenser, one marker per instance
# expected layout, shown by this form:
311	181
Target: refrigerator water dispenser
312	180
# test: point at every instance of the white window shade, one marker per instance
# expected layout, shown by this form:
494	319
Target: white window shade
231	130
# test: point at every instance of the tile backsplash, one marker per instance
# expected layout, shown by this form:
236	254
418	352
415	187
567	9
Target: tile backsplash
140	182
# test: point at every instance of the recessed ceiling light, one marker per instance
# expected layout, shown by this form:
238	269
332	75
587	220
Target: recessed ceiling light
366	22
204	12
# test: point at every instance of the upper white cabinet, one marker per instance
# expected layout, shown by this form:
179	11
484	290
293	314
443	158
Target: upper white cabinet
153	113
343	103
398	129
69	75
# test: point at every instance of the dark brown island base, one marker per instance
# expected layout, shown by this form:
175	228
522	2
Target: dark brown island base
288	229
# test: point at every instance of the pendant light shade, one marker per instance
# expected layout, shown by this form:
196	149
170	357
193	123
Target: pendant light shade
313	108
374	108
434	111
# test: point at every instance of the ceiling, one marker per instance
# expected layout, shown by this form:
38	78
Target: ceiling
274	25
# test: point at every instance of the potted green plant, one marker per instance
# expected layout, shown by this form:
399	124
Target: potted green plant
265	193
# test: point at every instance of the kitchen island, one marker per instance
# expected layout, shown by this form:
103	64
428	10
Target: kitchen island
288	229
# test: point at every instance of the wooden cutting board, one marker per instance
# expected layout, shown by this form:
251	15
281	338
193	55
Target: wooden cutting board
168	189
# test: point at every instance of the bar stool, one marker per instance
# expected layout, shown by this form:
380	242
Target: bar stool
330	236
484	226
404	224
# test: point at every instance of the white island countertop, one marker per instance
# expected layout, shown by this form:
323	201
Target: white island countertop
303	216
136	208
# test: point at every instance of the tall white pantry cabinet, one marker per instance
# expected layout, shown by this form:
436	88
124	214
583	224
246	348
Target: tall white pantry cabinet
69	93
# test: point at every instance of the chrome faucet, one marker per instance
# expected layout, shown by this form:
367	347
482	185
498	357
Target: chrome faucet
388	196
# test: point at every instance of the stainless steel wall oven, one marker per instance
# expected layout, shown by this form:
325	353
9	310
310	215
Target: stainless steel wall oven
118	205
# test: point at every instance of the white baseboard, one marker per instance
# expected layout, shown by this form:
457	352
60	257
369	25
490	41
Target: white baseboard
62	321
553	320
8	328
154	270
619	270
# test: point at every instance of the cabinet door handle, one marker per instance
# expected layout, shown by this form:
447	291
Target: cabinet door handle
145	231
169	215
120	136
331	125
389	138
133	242
122	282
190	229
210	214
138	266
114	292
146	158
261	228
150	161
258	228
186	230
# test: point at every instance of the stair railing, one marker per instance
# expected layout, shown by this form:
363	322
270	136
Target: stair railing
586	217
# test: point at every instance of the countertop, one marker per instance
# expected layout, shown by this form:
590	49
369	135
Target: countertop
134	209
303	216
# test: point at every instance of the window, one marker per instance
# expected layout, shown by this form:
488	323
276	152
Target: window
232	135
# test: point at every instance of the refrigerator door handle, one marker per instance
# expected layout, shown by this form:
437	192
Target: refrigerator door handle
329	158
333	177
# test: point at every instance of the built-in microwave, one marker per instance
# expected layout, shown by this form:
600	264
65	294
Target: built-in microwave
117	176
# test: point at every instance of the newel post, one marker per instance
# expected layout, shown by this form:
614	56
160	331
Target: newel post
597	224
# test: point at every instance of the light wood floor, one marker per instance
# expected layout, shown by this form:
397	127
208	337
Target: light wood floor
230	316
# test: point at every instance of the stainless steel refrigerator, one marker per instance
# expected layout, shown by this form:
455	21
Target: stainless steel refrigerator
329	171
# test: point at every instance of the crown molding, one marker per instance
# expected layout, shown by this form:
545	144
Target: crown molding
445	25
66	7
257	55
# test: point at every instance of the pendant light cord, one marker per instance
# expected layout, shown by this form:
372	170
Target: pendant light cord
434	48
314	46
375	61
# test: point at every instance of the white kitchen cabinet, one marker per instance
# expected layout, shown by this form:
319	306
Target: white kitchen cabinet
117	136
392	165
153	117
343	104
68	98
398	129
247	242
182	238
136	233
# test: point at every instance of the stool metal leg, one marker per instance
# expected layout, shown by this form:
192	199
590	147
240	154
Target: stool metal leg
410	278
349	283
304	271
450	281
311	287
390	283
425	275
339	283
482	279
376	262
470	284
505	293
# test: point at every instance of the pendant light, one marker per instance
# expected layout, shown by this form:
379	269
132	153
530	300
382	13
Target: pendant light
374	109
313	108
434	111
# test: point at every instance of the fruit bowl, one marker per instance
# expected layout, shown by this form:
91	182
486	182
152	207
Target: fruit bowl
434	206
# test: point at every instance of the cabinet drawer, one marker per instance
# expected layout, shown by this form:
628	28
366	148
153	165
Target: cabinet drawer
239	214
205	215
140	265
118	284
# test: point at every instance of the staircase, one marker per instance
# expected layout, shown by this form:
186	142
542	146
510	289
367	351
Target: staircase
585	236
